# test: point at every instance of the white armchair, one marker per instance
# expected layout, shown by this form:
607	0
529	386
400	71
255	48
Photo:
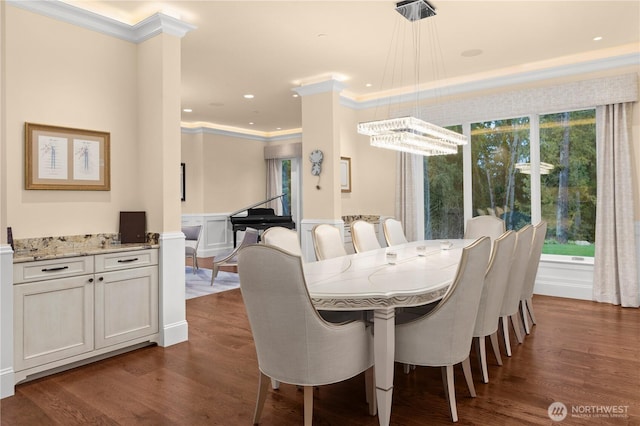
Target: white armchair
484	226
510	304
293	343
495	284
286	239
526	298
442	338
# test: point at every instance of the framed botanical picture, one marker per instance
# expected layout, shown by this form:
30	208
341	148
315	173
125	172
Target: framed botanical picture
182	182
345	174
66	159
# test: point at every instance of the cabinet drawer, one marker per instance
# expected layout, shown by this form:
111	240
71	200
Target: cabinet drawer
125	260
50	269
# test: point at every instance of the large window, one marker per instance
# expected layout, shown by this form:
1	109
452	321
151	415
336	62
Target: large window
286	187
558	150
443	195
568	183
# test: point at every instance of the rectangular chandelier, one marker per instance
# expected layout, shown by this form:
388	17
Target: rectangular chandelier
412	135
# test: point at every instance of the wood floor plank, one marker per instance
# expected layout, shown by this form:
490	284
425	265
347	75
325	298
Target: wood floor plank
580	353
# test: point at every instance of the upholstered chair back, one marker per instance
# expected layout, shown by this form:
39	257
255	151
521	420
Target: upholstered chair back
363	235
495	284
327	242
443	336
517	272
393	232
484	226
286	239
293	343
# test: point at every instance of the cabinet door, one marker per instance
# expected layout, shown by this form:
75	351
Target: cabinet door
126	305
53	320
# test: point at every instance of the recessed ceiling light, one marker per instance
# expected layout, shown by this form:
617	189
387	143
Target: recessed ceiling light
278	128
368	85
295	95
598	38
187	110
251	123
248	96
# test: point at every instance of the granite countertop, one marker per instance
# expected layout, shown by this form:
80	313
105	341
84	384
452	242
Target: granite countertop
21	256
46	248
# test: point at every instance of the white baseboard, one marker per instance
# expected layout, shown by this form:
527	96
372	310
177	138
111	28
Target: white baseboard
7	387
175	333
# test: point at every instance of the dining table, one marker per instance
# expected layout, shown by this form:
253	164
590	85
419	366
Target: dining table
383	280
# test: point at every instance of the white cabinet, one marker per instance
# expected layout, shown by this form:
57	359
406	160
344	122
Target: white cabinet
70	309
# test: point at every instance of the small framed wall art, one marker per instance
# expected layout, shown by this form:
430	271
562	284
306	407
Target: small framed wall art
345	174
66	159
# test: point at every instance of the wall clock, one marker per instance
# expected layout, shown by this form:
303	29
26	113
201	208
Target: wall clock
316	158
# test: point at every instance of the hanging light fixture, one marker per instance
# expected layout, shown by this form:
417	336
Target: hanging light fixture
411	134
525	168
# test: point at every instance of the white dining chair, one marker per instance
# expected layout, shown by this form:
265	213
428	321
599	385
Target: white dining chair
526	298
231	258
286	239
481	226
393	232
495	284
442	338
191	242
327	242
293	343
509	312
363	235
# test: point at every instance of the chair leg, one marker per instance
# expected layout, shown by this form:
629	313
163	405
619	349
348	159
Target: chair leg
515	320
214	273
194	263
370	390
523	315
504	320
529	303
275	385
308	405
450	390
466	368
482	358
496	347
263	385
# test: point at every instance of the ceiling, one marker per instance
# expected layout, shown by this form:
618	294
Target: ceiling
267	48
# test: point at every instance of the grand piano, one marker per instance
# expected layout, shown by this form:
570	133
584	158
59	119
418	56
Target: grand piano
258	218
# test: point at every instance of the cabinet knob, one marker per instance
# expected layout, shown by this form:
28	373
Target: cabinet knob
90	280
101	279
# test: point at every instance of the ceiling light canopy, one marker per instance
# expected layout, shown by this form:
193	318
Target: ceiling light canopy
411	134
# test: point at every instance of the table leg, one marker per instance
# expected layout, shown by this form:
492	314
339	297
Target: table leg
384	354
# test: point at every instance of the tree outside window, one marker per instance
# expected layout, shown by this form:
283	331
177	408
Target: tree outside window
498	188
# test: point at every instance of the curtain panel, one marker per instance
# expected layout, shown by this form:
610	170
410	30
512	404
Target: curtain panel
616	270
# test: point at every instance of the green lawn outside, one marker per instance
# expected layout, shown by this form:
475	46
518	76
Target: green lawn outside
569	249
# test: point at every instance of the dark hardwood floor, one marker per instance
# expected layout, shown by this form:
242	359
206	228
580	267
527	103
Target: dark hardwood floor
581	354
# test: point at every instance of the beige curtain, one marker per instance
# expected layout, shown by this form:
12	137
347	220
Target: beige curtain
616	269
409	195
274	184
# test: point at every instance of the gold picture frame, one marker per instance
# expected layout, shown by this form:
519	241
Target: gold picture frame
63	158
345	174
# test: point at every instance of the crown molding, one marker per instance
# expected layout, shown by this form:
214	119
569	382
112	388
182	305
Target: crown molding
149	27
618	61
294	134
320	87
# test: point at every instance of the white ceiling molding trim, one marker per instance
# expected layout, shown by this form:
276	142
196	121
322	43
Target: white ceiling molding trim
630	59
153	25
239	133
320	87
